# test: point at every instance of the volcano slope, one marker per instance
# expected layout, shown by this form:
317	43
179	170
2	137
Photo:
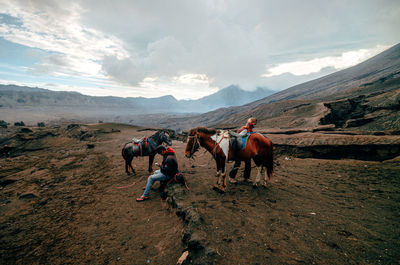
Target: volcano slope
60	203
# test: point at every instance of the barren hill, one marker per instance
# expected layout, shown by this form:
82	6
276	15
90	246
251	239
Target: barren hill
365	96
60	202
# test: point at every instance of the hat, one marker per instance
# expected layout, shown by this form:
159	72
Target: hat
160	148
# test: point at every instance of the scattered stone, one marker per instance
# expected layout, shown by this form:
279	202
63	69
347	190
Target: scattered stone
28	195
183	257
196	241
25	130
6	182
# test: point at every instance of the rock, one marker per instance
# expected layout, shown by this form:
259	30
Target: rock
195	242
183	257
28	195
25	130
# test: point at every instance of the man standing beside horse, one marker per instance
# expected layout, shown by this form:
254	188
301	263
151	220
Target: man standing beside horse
168	169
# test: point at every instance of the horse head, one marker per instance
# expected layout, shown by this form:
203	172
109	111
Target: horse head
192	143
164	138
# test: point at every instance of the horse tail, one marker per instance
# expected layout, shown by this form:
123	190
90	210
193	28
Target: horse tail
269	158
123	153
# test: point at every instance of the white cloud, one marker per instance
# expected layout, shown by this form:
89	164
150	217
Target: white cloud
193	86
347	59
45	25
191	48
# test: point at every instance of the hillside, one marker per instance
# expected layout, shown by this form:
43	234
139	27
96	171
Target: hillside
366	96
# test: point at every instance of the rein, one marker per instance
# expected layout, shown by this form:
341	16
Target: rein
194	144
133	184
151	142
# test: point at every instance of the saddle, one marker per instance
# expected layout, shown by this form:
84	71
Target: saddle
140	143
137	141
237	141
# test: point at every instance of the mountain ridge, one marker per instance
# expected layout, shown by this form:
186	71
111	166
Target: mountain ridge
12	96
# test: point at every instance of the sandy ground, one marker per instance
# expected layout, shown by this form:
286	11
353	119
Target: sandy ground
60	204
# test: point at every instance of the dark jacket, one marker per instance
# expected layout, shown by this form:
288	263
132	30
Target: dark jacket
169	165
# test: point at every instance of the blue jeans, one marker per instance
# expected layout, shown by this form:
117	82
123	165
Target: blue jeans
157	176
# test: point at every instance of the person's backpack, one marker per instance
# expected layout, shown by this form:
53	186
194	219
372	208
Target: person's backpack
178	178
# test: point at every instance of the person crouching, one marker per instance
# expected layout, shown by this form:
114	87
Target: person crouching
168	169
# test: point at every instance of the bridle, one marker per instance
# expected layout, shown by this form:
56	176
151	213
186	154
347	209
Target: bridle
165	138
196	141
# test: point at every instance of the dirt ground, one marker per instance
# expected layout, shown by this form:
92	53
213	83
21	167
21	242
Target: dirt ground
59	204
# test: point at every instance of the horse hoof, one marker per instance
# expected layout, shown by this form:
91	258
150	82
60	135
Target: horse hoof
255	185
219	189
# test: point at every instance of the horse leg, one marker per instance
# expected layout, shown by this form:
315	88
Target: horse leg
257	180
223	181
216	185
130	165
223	173
127	167
151	159
265	177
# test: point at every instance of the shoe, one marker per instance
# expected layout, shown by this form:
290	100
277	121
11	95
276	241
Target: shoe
233	181
142	198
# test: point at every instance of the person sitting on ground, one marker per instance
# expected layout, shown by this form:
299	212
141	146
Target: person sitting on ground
248	128
168	169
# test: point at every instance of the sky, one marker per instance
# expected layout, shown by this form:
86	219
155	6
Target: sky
188	49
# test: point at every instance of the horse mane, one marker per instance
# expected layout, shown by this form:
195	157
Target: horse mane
157	133
206	130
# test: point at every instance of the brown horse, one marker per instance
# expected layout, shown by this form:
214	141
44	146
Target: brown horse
258	148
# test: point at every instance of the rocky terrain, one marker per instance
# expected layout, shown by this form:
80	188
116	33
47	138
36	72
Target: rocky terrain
333	200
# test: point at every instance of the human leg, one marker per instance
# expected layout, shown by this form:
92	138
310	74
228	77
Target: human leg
247	169
157	176
233	172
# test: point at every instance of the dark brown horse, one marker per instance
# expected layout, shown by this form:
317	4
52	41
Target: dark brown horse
258	148
144	147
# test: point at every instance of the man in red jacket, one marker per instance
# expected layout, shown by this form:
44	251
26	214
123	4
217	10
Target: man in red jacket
168	169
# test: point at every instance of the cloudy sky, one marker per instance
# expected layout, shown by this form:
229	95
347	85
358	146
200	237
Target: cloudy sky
187	49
